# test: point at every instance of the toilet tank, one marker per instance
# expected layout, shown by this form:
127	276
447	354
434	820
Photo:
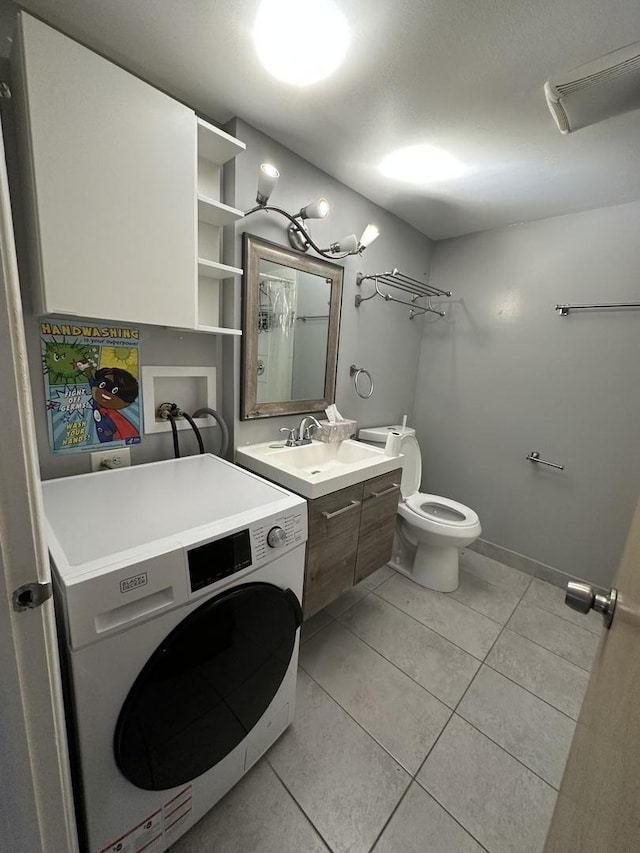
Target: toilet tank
378	435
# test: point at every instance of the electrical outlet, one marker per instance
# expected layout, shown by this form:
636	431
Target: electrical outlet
104	460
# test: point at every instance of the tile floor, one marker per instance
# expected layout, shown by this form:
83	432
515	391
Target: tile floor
425	722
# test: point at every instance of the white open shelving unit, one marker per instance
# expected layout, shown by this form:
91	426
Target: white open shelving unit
215	148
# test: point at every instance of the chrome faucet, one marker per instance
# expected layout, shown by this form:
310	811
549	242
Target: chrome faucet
302	435
304	430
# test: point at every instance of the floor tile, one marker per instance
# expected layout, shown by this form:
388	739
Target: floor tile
342	779
558	682
258	814
468	629
493	572
379	576
496	602
531	730
397	712
435	663
347	600
564	638
501	803
551	598
420	825
314	624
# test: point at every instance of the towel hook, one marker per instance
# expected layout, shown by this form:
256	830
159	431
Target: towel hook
356	372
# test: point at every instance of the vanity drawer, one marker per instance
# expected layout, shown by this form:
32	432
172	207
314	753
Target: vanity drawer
336	514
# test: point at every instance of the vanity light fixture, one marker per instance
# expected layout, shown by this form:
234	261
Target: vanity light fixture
267	179
298	230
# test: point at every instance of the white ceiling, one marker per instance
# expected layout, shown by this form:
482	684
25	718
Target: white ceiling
463	75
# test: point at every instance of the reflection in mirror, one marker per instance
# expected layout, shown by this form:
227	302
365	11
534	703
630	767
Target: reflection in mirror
290	330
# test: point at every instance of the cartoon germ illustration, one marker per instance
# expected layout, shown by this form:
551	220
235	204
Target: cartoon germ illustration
60	361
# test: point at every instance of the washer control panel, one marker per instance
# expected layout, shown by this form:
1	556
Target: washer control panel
277	533
246	548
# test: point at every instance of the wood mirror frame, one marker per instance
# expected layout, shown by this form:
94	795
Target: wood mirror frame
255	250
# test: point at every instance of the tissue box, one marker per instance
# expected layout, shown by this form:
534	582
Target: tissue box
334	433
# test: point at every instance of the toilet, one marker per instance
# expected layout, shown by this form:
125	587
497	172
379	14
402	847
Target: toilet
430	529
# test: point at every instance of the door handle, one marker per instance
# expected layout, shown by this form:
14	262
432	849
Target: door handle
392	488
581	597
350	505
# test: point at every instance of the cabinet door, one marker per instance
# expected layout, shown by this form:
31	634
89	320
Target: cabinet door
111	172
334	521
378	523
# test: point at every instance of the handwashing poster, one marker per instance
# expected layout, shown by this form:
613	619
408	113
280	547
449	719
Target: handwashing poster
91	388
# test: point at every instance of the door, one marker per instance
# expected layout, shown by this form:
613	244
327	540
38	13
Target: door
597	807
36	807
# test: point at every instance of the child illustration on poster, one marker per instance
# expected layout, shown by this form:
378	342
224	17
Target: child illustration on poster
91	385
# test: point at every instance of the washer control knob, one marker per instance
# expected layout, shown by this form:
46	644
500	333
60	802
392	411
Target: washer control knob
276	537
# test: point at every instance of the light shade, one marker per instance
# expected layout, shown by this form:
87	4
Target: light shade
369	234
300	42
318	209
267	177
348	244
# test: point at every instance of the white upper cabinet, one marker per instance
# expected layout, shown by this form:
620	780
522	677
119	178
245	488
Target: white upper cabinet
111	176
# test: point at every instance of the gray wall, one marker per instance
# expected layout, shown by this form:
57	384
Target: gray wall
504	374
377	336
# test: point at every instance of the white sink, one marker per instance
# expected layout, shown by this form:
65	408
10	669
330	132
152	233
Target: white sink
316	469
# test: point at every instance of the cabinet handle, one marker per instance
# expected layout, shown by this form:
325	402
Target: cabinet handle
351	505
386	491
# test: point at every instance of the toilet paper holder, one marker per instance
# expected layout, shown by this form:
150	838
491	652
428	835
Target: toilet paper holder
356	373
534	456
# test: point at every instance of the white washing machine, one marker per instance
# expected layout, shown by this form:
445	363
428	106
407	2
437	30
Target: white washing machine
178	589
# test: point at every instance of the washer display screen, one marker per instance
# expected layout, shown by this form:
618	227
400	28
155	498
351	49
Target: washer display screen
218	559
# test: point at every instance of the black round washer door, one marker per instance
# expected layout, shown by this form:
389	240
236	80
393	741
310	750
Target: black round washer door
206	686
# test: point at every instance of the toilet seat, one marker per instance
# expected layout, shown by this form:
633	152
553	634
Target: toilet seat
441	511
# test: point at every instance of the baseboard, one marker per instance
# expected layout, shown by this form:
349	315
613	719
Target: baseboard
527	565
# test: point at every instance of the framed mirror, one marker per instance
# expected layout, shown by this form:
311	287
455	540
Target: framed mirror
291	318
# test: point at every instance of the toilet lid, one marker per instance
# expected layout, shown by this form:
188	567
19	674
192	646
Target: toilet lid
443	510
411	466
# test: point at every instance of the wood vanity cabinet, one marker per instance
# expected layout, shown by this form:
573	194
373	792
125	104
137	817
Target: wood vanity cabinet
350	536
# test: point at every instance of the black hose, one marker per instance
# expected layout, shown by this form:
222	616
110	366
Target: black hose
224	432
194	427
174	430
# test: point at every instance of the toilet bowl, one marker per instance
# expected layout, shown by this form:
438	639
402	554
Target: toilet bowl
430	529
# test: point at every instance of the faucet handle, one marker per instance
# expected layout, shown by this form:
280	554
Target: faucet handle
291	436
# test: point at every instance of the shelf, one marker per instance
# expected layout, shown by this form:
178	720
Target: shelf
216	145
217	330
212	269
216	213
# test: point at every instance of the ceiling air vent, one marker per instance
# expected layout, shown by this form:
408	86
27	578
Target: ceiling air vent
596	91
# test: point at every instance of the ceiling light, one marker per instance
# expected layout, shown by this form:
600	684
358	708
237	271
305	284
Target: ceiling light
298	230
421	164
299	41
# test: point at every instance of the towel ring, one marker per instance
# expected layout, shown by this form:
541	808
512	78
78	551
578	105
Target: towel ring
356	372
